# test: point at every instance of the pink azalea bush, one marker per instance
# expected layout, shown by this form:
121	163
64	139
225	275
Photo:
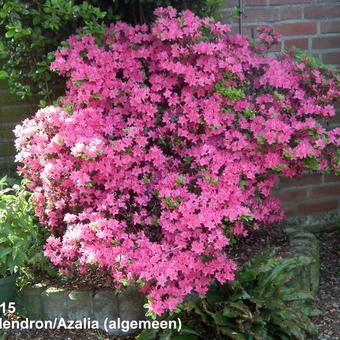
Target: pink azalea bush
168	142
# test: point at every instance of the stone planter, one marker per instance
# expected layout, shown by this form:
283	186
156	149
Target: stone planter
29	301
8	289
39	302
307	277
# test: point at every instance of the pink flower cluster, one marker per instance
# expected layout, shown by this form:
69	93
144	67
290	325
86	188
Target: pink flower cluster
268	38
168	141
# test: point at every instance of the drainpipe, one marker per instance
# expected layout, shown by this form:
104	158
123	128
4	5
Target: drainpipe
240	17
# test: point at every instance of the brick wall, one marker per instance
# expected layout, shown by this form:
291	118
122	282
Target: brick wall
12	111
313	26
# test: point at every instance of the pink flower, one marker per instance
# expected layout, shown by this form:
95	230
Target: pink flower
167	141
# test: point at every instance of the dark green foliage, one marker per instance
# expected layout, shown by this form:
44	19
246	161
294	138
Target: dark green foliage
257	305
17	227
311	60
21	237
32	30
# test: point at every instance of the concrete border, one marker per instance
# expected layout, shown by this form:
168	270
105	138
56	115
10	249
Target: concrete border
326	222
306	278
40	302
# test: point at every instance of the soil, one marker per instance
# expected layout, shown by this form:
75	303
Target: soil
258	241
93	280
328	301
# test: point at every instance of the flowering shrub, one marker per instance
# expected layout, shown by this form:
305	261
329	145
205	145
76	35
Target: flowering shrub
256	305
167	143
34	29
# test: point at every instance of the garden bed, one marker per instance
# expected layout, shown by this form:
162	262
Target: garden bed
257	241
40	302
328	322
274	236
245	248
152	169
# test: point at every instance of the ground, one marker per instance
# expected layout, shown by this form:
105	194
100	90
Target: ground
328	301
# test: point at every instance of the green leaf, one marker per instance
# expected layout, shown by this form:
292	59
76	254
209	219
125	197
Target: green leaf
243	184
261	139
229	313
3	75
166	335
180	180
240	296
187	330
232	334
204	316
186	337
4	252
308	310
220	319
292	295
241	308
147	334
213	296
36	20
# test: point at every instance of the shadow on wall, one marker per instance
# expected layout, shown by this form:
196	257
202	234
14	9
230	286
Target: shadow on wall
12	111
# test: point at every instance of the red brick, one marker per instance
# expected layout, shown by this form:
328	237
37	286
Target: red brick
330	26
317	55
291	195
322	11
250	31
276	48
261	15
325	190
301	43
291	210
230	3
226	16
255	2
300	181
326	42
317	206
331	58
234	29
286	2
247	30
291	13
294	29
331	178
